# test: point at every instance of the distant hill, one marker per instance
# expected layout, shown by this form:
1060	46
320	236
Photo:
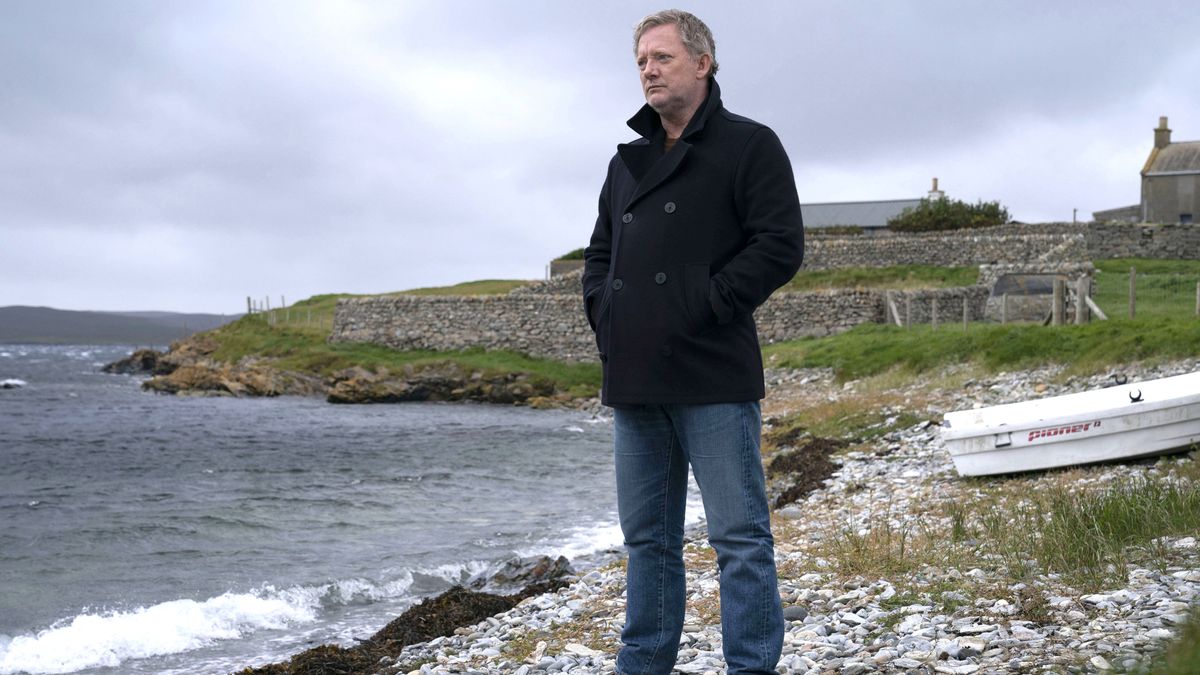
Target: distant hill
43	325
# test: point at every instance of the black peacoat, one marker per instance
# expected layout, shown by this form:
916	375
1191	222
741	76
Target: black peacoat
686	245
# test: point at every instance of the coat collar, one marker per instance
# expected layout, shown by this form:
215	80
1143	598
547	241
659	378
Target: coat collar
644	158
648	125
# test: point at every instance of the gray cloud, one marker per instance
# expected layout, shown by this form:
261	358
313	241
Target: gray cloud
184	155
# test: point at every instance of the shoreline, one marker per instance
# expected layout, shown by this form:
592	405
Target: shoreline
186	369
926	619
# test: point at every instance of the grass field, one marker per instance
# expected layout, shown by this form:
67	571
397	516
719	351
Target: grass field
900	277
1162	287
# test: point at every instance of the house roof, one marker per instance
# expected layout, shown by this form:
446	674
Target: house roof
863	214
1176	158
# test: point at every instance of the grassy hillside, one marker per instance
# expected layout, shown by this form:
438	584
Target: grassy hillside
296	339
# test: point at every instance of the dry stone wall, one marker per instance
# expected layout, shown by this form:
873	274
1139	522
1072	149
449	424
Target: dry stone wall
1122	240
553	326
546	319
1007	244
957	249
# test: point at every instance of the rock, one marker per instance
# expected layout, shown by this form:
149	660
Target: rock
964	669
142	361
795	613
577	649
523	571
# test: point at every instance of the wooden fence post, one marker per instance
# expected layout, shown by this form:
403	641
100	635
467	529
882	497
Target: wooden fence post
891	310
908	311
249	305
1081	291
966	312
1132	292
1004	309
933	312
1198	298
1056	308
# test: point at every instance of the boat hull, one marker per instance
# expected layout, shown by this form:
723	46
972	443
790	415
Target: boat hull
1122	422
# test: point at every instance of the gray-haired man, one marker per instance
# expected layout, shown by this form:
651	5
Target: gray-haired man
698	223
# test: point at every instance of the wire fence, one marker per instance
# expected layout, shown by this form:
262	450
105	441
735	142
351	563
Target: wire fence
283	314
1137	294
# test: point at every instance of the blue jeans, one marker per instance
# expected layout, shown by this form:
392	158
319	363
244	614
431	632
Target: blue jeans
653	446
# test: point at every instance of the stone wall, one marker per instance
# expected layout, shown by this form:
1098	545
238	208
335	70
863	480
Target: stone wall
1123	240
1016	243
546	318
958	249
553	326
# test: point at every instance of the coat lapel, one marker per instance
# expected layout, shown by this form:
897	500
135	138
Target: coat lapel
644	159
660	169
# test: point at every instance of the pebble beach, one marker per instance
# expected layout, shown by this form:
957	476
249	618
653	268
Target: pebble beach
924	620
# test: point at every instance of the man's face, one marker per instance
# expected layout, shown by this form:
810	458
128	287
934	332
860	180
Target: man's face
673	81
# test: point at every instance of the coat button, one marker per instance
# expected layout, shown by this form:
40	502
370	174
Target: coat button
660	278
669	207
627	218
665	350
617	284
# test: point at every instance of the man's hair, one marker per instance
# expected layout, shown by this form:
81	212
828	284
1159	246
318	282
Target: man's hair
696	36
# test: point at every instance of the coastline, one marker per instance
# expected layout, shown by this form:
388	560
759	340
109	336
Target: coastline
923	618
188	368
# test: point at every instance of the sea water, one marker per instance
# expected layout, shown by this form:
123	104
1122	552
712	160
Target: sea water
144	533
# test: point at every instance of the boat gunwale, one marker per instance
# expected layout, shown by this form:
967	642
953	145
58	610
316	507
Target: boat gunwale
957	425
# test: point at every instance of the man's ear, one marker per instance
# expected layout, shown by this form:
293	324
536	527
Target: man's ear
703	66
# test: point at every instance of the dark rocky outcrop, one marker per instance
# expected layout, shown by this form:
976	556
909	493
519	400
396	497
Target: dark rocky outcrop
518	572
189	368
440	382
141	362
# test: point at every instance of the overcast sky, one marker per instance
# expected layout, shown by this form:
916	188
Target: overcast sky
169	155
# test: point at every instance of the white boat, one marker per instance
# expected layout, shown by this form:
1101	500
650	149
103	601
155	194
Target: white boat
1133	419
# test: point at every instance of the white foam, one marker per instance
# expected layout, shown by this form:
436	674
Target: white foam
351	591
12	383
582	541
457	573
107	640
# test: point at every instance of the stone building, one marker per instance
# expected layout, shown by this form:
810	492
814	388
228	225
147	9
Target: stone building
1170	183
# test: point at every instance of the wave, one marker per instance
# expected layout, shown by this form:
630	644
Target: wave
112	638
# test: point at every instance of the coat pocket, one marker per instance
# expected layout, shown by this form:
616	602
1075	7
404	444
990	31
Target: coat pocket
599	316
696	282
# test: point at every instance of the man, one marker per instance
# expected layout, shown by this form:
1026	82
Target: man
699	222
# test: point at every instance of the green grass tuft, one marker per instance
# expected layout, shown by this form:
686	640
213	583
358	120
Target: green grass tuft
872	349
899	277
482	287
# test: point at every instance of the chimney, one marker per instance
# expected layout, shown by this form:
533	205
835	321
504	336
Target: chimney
1162	135
935	193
